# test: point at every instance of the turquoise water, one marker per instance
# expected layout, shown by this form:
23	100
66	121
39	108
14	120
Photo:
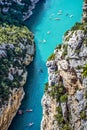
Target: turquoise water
40	23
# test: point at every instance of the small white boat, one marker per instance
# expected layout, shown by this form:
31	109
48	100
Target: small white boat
29	110
30	124
44	41
57	18
48	32
59	13
71	16
60	10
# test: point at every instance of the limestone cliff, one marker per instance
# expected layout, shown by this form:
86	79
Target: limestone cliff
16	52
18	10
65	99
11	109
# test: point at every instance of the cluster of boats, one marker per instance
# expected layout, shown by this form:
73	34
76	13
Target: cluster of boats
59	13
20	112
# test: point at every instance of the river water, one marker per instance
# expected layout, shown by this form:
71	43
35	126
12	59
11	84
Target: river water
49	22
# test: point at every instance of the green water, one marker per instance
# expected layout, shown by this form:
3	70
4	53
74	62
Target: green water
40	23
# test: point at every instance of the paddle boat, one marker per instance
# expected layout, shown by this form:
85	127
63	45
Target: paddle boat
29	110
30	124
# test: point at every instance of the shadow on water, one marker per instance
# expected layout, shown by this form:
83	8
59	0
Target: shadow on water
33	94
36	17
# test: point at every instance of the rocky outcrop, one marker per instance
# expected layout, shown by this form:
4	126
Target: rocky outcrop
25	7
84	18
11	109
65	99
15	55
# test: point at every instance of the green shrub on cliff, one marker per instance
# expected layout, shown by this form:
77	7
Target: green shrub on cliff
51	57
46	87
65	46
63	98
85	71
12	38
66	127
83	115
85	1
85	41
59	46
15	35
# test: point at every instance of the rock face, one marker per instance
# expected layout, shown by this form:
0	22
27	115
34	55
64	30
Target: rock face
15	55
10	110
65	99
84	19
25	7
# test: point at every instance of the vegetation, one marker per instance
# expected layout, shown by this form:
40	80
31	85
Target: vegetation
15	35
66	33
12	38
66	127
85	1
64	50
85	71
59	46
79	67
59	117
79	26
77	51
57	91
85	41
83	115
63	98
51	57
86	95
46	87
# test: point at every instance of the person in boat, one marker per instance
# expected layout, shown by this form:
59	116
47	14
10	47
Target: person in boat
20	112
29	110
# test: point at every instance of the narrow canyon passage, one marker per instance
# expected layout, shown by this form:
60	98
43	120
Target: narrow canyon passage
49	22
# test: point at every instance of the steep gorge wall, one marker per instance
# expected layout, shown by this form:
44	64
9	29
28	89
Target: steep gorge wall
14	12
11	109
14	57
65	99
